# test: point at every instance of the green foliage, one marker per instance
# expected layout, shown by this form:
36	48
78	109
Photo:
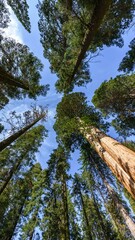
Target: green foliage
20	8
21	155
116	98
64	27
31	216
131	200
67	125
128	62
5	16
23	65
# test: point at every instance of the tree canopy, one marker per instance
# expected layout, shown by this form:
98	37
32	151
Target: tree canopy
116	97
78	31
85	188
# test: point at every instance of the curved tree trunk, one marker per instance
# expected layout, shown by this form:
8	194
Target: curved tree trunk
7	78
16	135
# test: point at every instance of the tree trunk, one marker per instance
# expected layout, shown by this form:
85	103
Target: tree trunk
12	171
85	216
122	158
65	208
100	10
130	224
15	221
100	218
16	135
69	4
7	78
31	235
121	154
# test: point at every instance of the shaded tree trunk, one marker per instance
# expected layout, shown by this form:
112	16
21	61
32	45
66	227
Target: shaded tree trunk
7	78
16	135
119	158
100	10
130	224
65	207
100	218
15	221
85	215
12	171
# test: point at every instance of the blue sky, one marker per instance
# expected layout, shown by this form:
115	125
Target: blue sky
102	68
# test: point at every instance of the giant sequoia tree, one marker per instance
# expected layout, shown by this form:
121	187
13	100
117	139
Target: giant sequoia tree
75	118
101	174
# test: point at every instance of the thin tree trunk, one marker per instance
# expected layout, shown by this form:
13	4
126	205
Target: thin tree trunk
31	235
85	216
16	135
101	8
100	218
65	207
130	224
7	78
69	5
12	171
124	157
11	233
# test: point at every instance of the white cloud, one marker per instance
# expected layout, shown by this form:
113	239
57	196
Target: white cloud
13	30
51	113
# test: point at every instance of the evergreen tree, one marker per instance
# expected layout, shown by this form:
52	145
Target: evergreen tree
4	17
20	155
121	209
75	118
31	120
57	170
34	205
86	26
128	62
19	192
19	72
20	9
77	188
